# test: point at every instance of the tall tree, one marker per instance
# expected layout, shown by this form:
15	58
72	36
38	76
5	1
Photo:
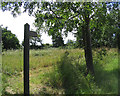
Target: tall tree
69	16
57	40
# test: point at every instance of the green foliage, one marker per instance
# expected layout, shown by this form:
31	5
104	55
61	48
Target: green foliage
10	41
83	17
36	41
46	46
68	16
57	40
14	7
101	53
53	17
104	33
70	44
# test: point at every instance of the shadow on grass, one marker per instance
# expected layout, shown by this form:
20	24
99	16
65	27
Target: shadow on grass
107	80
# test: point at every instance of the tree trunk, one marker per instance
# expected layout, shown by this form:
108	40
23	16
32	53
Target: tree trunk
87	46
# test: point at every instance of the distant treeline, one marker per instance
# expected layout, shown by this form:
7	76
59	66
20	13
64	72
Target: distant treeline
10	41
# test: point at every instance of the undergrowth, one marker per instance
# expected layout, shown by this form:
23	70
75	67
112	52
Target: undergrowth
68	76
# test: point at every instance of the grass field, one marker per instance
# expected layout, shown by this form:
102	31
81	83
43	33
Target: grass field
55	71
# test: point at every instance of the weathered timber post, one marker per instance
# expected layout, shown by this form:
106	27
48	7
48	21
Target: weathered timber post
27	35
26	59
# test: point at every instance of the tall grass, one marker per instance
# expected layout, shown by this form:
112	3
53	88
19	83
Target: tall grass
106	71
60	71
68	76
12	61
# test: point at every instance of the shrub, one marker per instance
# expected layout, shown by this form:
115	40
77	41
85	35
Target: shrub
10	41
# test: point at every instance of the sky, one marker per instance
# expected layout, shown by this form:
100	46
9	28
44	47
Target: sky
16	25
